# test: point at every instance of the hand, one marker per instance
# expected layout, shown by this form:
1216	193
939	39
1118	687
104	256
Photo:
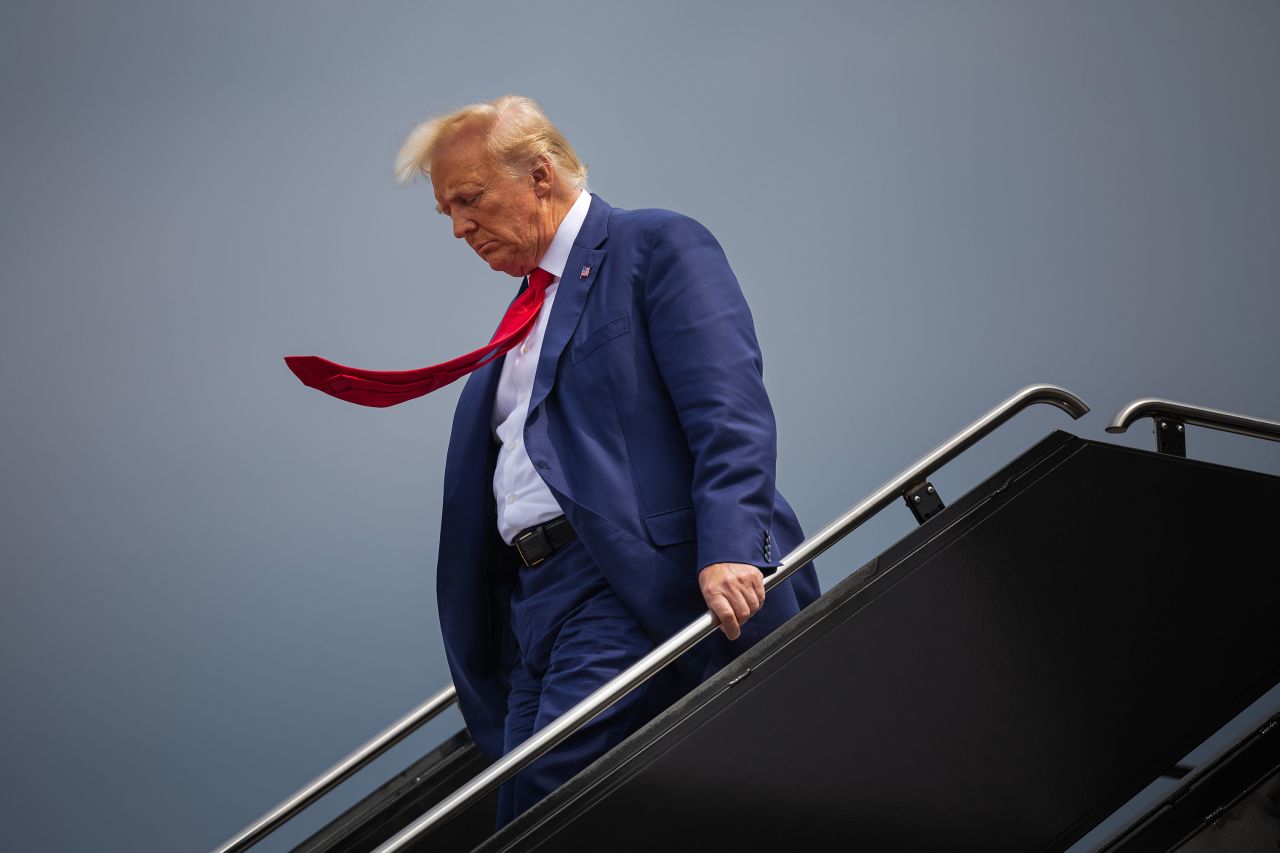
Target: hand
734	592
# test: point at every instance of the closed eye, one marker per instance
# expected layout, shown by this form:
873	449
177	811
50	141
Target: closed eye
464	200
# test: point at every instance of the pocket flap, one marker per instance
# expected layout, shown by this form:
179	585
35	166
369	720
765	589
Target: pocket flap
607	332
668	528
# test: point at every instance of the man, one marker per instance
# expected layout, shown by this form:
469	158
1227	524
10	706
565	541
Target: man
613	474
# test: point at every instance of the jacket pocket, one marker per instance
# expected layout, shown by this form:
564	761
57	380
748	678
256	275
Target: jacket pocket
604	334
668	528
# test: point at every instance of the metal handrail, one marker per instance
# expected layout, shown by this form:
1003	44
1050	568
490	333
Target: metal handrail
1197	415
335	775
559	729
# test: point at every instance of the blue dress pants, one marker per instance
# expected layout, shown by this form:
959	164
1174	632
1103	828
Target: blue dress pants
574	634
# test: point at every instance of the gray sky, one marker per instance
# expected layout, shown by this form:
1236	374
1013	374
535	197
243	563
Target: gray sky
216	581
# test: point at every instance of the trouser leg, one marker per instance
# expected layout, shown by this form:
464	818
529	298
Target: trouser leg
522	713
594	646
596	640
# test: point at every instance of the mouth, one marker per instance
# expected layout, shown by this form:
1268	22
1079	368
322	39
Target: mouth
487	244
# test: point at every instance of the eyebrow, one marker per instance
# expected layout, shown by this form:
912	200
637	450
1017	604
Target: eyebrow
463	189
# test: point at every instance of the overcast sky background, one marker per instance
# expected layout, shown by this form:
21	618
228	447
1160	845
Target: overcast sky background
216	581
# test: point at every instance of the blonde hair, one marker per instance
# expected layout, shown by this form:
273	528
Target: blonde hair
517	134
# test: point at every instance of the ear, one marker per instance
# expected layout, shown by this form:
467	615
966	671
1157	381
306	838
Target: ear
543	177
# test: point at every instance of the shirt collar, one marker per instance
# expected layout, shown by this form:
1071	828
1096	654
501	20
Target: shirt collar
557	254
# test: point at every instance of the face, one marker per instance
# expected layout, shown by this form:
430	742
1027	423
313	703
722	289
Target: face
508	222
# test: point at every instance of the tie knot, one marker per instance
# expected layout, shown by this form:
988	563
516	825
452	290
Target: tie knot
540	280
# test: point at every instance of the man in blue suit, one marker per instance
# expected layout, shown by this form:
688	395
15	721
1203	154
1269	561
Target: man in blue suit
613	476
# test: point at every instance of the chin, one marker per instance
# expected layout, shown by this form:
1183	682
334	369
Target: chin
495	264
498	263
508	267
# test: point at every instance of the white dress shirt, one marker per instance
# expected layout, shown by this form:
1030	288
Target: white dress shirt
522	498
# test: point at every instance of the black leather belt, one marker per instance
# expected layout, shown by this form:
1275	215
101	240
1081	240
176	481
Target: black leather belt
536	544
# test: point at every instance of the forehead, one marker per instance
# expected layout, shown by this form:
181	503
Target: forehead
459	163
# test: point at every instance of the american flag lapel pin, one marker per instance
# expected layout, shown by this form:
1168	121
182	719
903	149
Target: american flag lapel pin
586	271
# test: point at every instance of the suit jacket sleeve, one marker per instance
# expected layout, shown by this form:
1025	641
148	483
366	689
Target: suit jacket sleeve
704	341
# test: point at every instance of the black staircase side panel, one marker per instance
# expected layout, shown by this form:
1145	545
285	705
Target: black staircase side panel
1249	825
1233	803
394	805
1001	680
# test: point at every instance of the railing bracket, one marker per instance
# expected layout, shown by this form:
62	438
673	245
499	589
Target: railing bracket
924	501
1171	436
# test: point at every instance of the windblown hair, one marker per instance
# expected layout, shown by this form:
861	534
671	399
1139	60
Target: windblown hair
516	130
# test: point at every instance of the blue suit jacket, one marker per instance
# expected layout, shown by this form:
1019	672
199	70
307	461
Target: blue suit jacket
650	424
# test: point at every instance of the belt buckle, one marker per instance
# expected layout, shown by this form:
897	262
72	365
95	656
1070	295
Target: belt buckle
528	535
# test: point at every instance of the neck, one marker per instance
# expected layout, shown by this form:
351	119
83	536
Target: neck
560	209
557	209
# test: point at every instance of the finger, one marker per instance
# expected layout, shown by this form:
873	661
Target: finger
741	608
724	612
758	583
749	596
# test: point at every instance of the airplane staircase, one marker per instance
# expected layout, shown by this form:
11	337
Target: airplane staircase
1006	677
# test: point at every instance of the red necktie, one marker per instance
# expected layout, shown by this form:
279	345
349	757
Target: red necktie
388	387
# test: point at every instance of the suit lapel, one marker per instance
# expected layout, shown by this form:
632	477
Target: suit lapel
472	426
580	273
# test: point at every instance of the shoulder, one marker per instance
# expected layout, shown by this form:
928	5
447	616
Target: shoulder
650	222
654	225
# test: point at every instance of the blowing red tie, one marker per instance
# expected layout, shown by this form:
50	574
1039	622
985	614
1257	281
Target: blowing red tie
383	388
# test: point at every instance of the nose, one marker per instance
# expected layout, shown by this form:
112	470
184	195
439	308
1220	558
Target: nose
462	226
